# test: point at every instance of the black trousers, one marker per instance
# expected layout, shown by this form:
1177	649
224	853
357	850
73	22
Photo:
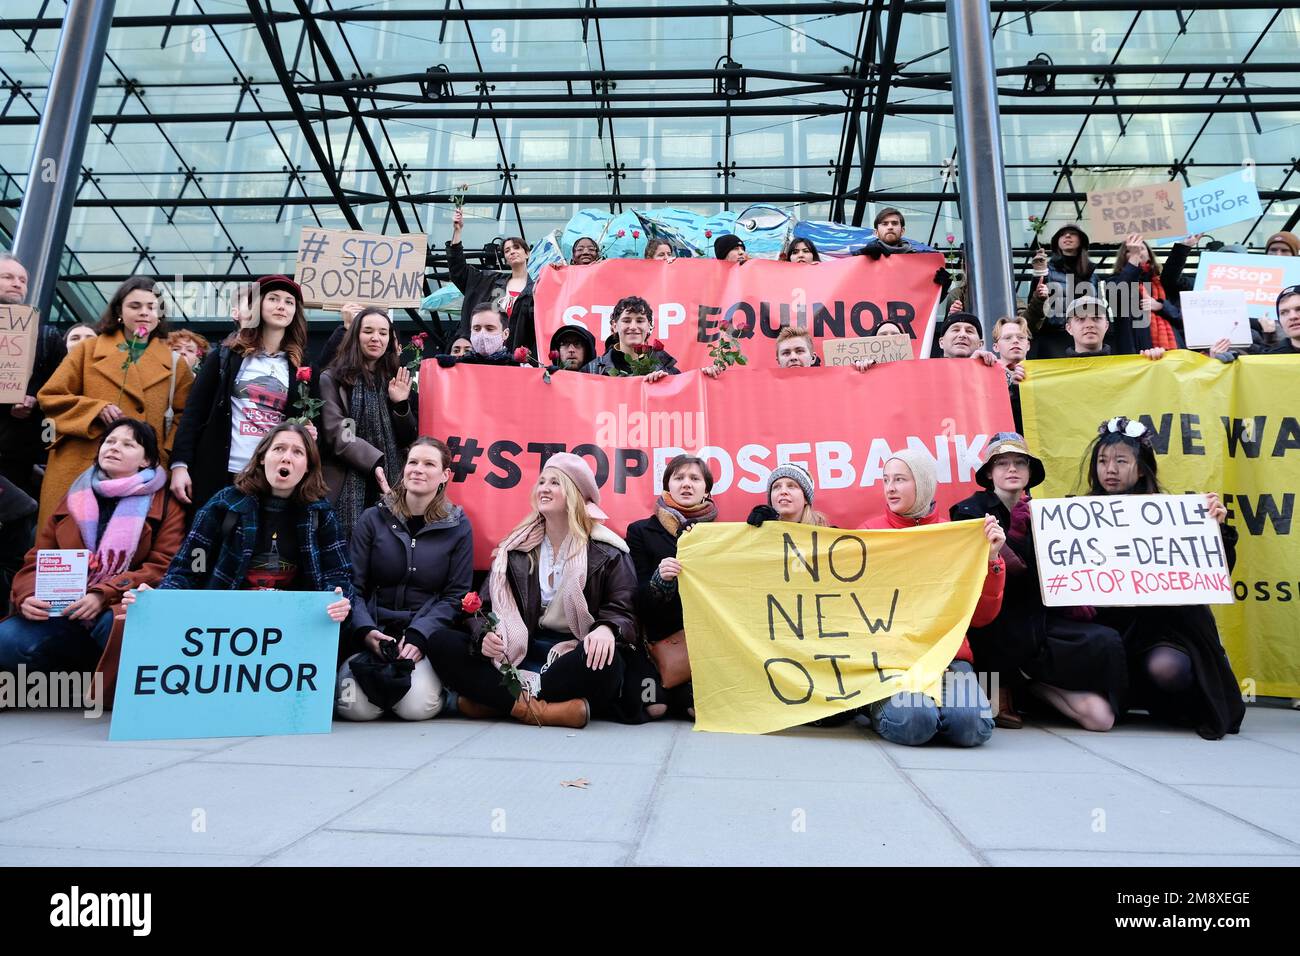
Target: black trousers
568	678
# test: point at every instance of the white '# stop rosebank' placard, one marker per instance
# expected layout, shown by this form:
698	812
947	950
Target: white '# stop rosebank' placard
1130	549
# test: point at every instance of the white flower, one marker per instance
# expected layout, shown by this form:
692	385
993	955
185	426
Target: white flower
1135	429
1112	425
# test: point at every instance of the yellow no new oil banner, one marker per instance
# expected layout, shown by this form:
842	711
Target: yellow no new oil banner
789	623
1226	428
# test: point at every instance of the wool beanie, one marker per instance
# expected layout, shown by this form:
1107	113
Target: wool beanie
796	473
723	245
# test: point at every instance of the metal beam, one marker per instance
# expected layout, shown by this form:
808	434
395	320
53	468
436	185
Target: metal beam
271	44
886	67
421	14
52	180
868	34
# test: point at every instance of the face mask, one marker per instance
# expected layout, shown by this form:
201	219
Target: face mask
487	343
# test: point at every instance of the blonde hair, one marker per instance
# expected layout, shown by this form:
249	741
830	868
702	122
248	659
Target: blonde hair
1003	322
793	332
810	516
581	524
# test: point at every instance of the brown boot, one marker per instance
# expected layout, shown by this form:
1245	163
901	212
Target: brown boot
566	713
1006	717
476	711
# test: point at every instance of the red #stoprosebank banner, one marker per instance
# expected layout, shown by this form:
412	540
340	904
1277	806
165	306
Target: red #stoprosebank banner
502	423
844	298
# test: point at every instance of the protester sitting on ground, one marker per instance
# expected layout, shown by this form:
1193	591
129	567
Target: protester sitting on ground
244	390
17	532
1282	244
1059	654
271	530
963	717
730	248
685	502
659	249
572	348
78	333
488	336
1064	277
1087	321
801	250
585	251
368	417
632	324
412	564
511	293
1148	311
889	240
120	510
561	588
90	390
1178	670
188	345
1288	318
21	424
789	498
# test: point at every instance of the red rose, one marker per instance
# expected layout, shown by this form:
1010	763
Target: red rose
636	233
471	603
708	233
640	348
554	357
522	354
656	345
304	374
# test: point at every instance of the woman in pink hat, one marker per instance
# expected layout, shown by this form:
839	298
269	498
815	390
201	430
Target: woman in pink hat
559	602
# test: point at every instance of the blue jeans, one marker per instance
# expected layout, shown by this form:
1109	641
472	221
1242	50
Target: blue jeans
56	645
964	719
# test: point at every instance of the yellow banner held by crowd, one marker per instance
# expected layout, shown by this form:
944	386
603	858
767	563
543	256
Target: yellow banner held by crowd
1228	428
789	623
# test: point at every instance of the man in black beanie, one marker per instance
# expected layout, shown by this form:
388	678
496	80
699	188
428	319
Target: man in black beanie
960	335
729	248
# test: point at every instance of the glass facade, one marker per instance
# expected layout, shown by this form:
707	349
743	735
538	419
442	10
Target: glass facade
205	156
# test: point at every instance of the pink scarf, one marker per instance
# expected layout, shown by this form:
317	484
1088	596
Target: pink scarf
569	593
115	551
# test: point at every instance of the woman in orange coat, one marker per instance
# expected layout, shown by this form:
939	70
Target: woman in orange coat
91	390
120	510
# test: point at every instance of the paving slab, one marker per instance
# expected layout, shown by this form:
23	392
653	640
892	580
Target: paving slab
345	848
1027	750
796	823
1275	809
518	798
1231	761
201	808
1084	812
600	741
33	775
393	744
808	753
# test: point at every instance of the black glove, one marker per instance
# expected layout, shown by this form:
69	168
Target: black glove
762	513
940	276
445	361
874	251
